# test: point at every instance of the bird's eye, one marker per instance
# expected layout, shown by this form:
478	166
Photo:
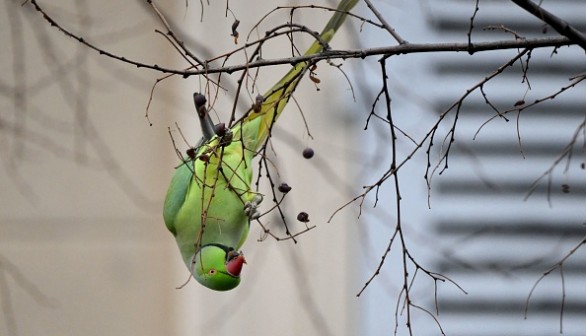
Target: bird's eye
212	271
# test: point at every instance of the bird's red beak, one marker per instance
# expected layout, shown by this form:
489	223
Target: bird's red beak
234	265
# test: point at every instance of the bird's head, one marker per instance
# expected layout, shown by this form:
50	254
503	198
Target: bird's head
217	267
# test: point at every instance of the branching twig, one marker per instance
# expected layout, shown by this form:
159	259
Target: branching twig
559	265
557	23
171	34
471	27
384	22
457	106
406	48
566	153
407	259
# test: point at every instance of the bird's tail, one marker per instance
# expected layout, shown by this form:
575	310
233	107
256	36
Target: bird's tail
259	119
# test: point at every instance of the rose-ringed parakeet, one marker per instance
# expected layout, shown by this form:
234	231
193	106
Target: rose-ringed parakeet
210	202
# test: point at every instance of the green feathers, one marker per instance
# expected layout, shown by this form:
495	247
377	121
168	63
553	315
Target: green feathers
257	124
210	201
221	269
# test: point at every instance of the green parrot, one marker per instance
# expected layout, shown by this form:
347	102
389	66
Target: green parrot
210	202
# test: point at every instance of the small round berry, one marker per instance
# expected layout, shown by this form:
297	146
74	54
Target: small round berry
303	217
308	153
284	188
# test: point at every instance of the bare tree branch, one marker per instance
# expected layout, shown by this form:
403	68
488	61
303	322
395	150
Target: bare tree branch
407	48
557	23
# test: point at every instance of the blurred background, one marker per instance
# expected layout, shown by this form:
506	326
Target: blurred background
83	175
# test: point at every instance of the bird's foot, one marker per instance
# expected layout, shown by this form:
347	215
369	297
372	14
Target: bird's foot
251	207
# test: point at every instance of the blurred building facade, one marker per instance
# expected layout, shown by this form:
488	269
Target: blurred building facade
484	226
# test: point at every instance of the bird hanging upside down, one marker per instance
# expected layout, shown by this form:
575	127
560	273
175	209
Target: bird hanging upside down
210	202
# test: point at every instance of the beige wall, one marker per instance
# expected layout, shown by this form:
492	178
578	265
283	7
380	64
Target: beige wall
83	177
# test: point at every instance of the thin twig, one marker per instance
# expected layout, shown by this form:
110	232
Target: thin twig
384	22
557	23
471	27
559	265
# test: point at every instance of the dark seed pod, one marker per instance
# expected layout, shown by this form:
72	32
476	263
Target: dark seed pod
308	153
257	106
225	134
235	33
284	188
235	27
220	129
204	157
303	217
200	104
199	100
191	153
314	79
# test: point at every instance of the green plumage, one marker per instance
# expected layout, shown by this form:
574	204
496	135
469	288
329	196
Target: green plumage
205	204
